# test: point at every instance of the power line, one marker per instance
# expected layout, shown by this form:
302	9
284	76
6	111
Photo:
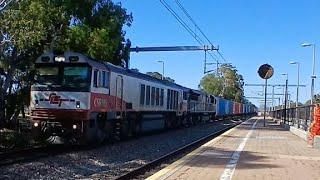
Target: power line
177	17
191	32
196	25
191	19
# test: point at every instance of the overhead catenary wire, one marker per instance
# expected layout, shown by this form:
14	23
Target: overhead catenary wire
196	25
191	32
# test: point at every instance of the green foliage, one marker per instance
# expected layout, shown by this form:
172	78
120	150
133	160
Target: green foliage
316	100
212	84
228	85
11	139
159	76
91	27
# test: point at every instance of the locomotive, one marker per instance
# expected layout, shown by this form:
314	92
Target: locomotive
82	100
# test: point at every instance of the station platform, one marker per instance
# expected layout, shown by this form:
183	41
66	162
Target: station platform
248	151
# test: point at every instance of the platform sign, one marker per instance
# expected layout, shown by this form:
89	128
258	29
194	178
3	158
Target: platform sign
265	71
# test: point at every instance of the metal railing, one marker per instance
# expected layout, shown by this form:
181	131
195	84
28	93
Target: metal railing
289	116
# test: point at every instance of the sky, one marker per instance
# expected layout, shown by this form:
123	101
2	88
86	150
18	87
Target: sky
249	33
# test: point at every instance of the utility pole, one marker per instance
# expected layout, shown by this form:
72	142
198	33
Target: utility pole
272	96
285	102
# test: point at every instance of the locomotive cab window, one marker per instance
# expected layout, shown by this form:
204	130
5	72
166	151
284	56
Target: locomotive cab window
47	75
57	77
75	77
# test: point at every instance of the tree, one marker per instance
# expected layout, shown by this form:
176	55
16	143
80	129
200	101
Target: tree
159	76
316	99
90	27
212	84
134	69
228	85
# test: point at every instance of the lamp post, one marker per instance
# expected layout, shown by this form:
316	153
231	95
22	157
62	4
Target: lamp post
162	69
298	83
313	76
297	98
285	97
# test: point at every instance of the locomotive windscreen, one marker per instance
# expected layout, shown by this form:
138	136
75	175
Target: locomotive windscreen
74	77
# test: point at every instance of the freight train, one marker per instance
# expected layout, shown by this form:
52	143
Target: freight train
82	100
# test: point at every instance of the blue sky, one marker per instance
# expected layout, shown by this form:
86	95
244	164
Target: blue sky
249	33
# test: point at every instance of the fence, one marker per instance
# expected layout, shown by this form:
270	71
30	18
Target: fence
289	116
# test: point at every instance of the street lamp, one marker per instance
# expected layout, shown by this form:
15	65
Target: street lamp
298	83
313	76
162	69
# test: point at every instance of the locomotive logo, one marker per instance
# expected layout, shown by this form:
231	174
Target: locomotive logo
99	102
54	99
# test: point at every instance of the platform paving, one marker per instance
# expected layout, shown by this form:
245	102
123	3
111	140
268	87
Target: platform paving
249	151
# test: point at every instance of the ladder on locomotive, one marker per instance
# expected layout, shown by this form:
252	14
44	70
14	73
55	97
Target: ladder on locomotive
119	106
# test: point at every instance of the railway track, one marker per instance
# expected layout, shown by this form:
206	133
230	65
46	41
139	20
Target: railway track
28	154
172	155
42	151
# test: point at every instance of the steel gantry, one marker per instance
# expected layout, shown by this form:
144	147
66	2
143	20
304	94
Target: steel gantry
178	48
274	85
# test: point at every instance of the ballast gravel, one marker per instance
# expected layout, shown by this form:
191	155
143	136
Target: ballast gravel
110	161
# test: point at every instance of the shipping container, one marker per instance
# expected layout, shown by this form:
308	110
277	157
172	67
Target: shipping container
236	108
229	108
221	107
241	108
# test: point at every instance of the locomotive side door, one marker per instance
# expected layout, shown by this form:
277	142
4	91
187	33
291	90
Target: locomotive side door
119	93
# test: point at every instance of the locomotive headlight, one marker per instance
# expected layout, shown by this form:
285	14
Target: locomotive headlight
78	104
74	126
59	59
36	124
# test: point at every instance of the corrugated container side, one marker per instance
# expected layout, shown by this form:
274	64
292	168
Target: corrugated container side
230	108
236	108
221	107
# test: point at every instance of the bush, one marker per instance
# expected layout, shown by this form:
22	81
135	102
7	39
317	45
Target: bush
11	139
